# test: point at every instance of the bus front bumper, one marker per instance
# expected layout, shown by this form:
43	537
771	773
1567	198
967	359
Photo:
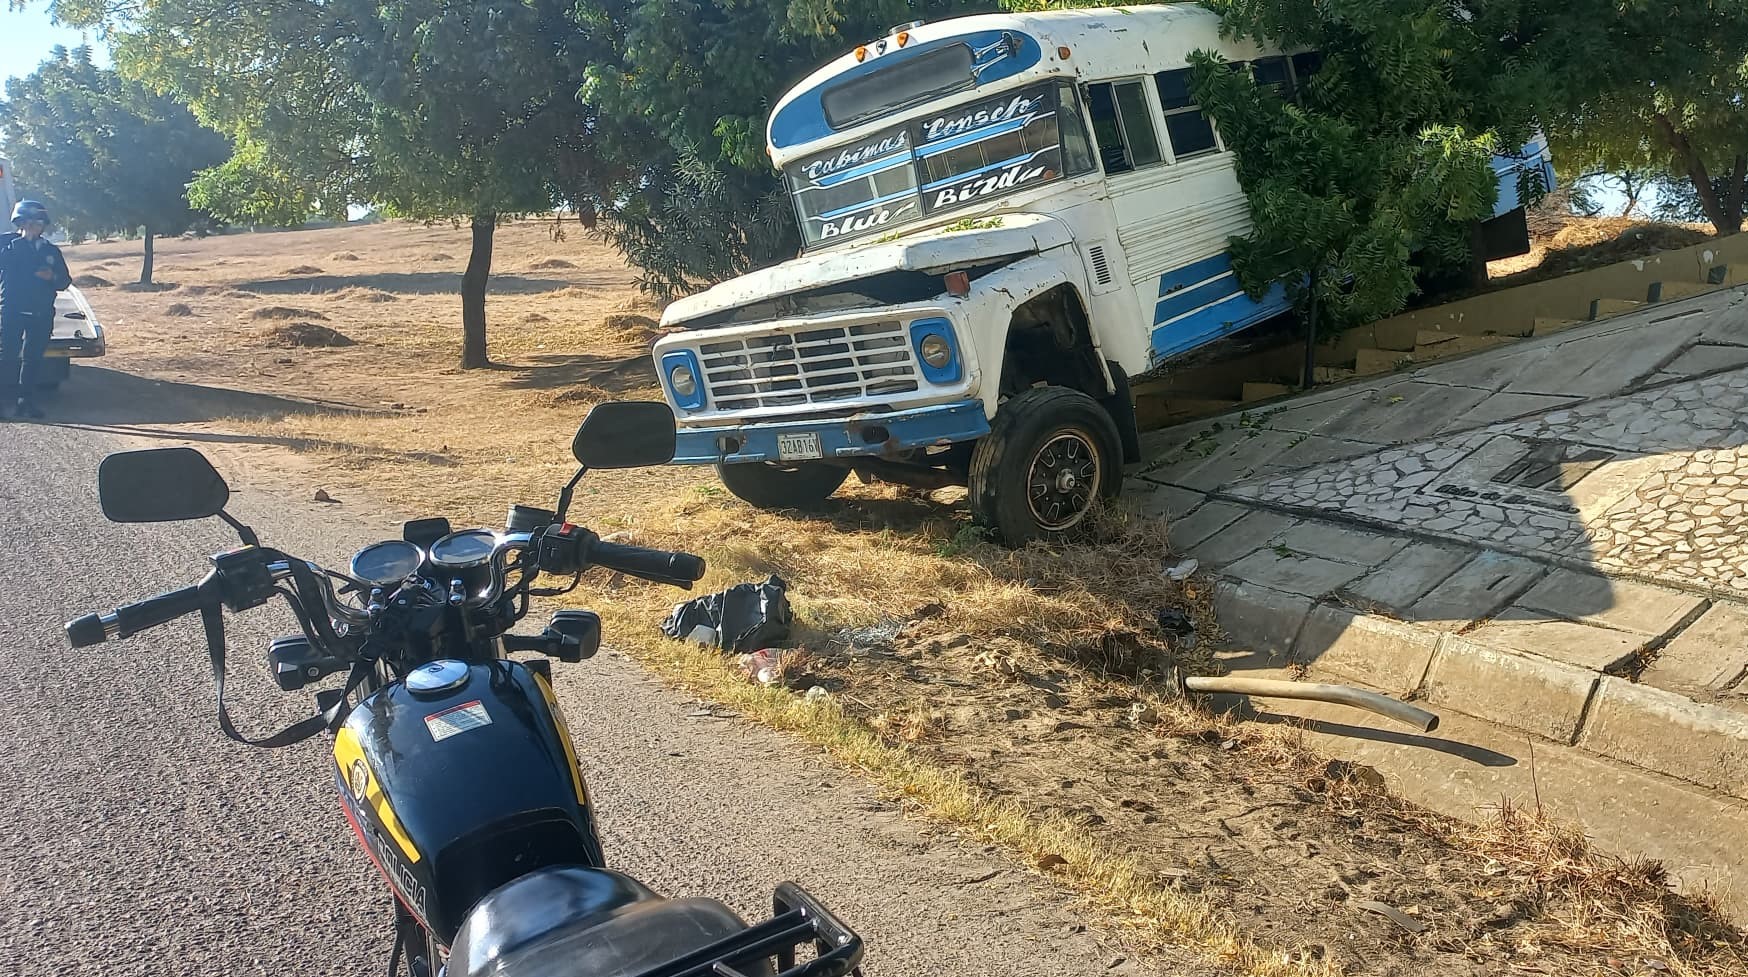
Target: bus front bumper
859	436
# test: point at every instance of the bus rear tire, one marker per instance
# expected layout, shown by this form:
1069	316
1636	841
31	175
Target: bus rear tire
1051	456
802	485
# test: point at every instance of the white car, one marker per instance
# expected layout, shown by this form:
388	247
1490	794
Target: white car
77	334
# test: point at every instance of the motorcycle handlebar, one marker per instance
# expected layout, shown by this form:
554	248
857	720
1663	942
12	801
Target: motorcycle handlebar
130	619
660	566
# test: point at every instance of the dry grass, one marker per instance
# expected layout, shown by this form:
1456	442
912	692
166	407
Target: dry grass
305	335
884	566
179	310
1605	904
277	312
355	293
343	256
91	281
1561	247
303	270
1129	894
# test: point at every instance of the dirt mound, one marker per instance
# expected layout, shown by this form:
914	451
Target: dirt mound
551	264
179	310
303	270
286	312
358	293
305	335
150	287
582	394
440	256
535	319
91	281
343	256
1582	243
242	293
631	327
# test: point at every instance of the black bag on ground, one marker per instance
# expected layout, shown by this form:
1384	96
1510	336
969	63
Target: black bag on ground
746	617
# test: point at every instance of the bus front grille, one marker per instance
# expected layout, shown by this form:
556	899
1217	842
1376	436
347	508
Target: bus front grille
816	366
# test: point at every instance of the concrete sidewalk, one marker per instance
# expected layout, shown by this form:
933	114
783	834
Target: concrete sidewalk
1551	537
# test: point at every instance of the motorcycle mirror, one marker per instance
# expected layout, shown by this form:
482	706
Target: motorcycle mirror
160	485
625	434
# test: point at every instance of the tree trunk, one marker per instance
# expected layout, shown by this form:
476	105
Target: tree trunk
1723	223
1736	199
146	266
473	293
1477	270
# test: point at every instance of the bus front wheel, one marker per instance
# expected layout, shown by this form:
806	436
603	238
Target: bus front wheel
1051	456
802	485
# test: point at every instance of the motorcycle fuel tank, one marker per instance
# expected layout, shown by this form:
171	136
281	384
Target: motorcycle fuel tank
460	779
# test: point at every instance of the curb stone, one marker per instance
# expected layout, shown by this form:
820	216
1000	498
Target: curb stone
1527	692
1614	718
1669	733
1365	648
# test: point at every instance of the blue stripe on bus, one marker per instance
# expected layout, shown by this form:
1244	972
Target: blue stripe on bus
1215	321
1190	274
977	135
974	174
802	120
865	169
1187	300
865	204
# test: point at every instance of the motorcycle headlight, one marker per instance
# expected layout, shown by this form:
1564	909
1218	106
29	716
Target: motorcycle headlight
683	381
936	351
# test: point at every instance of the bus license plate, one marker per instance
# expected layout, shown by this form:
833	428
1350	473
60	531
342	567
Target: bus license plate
798	447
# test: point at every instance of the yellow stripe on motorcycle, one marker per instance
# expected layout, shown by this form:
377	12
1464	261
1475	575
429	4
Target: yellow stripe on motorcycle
347	752
564	736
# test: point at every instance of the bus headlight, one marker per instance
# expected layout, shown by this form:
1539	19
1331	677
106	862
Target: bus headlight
936	352
682	380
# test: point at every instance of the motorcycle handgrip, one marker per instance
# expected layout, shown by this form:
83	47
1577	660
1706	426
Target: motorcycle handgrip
661	566
130	619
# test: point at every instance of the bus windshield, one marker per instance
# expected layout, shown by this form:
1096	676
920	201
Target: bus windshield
934	164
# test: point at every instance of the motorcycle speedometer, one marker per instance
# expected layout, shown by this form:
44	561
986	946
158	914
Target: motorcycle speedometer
387	563
464	550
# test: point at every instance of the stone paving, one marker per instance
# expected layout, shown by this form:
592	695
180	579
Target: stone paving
1654	482
1552	537
1549	539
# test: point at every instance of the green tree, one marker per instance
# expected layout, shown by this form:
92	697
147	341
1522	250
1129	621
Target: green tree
473	115
108	156
682	92
1375	174
433	109
1663	82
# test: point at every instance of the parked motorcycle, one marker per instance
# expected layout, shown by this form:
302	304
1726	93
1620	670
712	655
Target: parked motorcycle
452	759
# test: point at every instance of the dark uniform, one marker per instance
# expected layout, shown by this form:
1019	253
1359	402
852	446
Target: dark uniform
27	310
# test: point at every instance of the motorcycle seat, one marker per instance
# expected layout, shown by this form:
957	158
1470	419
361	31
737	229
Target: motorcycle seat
582	922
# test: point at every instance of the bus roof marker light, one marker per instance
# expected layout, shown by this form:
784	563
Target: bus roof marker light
861	53
1063	52
958	284
903	38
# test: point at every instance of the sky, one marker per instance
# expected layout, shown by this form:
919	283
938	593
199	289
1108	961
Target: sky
27	35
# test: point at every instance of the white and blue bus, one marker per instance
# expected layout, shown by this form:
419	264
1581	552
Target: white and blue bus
1006	217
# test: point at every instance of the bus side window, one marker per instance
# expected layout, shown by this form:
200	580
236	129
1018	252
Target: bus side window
1306	64
1190	131
1077	150
1123	126
1273	73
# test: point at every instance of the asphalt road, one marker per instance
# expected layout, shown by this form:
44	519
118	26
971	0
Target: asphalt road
138	840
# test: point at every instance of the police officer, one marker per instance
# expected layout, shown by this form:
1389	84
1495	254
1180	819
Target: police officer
31	272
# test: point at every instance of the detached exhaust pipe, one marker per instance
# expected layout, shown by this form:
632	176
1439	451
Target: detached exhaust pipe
1344	695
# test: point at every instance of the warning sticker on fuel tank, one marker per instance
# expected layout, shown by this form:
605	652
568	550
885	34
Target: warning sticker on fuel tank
458	719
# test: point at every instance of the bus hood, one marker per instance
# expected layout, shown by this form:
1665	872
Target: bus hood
932	250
